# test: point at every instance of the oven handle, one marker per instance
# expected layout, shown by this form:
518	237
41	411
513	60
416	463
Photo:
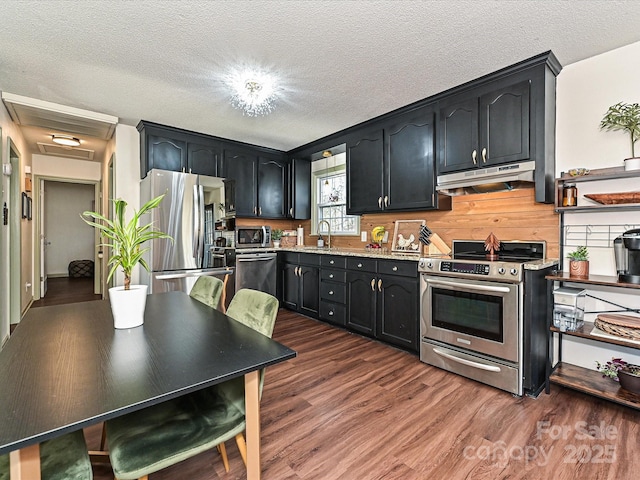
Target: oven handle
484	288
481	366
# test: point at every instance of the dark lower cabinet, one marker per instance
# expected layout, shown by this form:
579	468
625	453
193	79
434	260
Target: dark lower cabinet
299	283
398	311
361	302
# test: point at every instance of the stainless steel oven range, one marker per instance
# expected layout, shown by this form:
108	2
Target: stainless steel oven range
484	319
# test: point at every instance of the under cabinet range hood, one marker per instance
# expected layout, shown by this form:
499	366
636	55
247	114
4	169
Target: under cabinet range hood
490	179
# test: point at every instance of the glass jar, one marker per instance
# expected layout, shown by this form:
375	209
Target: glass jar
569	195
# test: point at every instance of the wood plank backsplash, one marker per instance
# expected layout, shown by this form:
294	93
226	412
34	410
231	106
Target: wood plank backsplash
512	215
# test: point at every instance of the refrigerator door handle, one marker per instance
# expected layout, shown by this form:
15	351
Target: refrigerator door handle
173	276
196	224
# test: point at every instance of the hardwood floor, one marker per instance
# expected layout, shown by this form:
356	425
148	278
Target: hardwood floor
61	290
348	408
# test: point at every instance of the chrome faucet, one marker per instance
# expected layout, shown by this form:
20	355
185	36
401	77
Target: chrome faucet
328	230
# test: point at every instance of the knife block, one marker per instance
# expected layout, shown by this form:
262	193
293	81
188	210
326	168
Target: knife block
436	247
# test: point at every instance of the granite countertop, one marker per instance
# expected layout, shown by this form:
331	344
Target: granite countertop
383	253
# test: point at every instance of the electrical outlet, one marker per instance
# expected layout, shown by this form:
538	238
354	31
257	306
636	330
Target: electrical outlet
363	236
385	239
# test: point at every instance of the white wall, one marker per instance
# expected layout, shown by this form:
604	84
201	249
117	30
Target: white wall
69	237
585	90
66	168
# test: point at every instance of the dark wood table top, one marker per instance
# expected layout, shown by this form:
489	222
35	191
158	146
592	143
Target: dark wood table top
66	367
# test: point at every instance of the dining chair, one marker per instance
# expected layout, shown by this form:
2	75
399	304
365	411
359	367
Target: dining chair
208	290
61	458
157	437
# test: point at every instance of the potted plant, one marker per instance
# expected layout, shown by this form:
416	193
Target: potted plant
126	240
579	262
276	235
627	374
626	117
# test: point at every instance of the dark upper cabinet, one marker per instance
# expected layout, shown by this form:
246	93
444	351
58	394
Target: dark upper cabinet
479	130
393	167
299	189
165	153
261	182
204	159
364	172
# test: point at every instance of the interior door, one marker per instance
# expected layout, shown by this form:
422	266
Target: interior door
43	242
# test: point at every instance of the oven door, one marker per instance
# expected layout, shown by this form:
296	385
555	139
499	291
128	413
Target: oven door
480	316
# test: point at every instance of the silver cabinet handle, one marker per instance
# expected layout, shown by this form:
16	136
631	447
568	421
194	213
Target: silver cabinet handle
255	209
291	211
395	269
474	154
331	275
331	313
484	155
386	200
331	262
464	361
373	284
379	202
259	210
359	265
330	292
380	285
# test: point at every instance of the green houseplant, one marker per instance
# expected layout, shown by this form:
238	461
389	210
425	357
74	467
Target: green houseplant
126	240
626	117
276	235
579	262
627	374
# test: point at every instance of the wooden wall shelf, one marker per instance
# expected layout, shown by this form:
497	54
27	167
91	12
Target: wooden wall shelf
604	280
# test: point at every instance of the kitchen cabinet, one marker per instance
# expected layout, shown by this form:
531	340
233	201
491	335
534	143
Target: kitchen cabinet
583	379
299	189
392	167
299	282
260	182
382	300
333	289
478	130
177	150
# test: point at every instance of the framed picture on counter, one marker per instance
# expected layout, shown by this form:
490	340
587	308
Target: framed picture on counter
406	236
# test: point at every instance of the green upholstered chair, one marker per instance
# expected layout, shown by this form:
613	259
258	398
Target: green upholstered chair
208	290
154	438
62	458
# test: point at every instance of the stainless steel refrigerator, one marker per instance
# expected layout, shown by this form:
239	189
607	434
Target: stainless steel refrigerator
188	212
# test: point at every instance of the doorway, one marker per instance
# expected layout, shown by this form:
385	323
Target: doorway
67	263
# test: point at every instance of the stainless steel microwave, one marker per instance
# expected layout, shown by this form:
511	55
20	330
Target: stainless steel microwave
253	237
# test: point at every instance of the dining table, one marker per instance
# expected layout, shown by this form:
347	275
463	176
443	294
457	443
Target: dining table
66	367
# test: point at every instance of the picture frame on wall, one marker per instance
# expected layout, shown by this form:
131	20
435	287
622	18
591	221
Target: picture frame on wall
406	236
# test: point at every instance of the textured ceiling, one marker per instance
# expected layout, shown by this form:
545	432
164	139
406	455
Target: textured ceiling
341	62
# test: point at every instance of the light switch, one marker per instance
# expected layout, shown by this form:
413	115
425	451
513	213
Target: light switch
363	236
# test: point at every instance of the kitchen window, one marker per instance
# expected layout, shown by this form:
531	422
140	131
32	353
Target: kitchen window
329	177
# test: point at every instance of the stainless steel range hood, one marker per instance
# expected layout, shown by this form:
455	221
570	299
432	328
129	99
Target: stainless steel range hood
491	179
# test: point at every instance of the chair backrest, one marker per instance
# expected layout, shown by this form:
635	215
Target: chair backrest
208	290
254	309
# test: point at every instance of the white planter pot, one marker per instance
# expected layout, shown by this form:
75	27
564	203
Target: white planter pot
632	163
276	243
127	306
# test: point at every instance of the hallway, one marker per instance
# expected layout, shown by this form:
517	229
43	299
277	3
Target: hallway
61	290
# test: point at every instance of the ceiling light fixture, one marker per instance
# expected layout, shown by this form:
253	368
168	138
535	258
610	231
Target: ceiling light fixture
66	140
253	92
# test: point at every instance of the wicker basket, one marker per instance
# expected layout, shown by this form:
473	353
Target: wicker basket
620	325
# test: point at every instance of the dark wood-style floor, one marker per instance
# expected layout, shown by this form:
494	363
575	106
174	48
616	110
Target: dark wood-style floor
348	408
61	290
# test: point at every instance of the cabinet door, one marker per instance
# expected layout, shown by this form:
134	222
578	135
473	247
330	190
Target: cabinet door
166	153
361	302
409	163
203	159
398	311
289	285
272	188
458	126
300	189
309	290
242	167
504	125
364	173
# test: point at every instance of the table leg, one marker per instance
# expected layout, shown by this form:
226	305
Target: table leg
25	463
252	409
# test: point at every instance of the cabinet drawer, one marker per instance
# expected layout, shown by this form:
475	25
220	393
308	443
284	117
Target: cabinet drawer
289	257
333	261
361	264
404	268
333	313
333	275
310	259
336	292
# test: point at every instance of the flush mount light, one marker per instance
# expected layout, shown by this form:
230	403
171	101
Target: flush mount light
66	140
252	91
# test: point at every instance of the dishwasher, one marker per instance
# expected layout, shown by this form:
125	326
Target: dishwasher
256	270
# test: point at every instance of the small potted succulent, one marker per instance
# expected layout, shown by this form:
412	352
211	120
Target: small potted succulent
626	117
627	374
276	235
579	262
